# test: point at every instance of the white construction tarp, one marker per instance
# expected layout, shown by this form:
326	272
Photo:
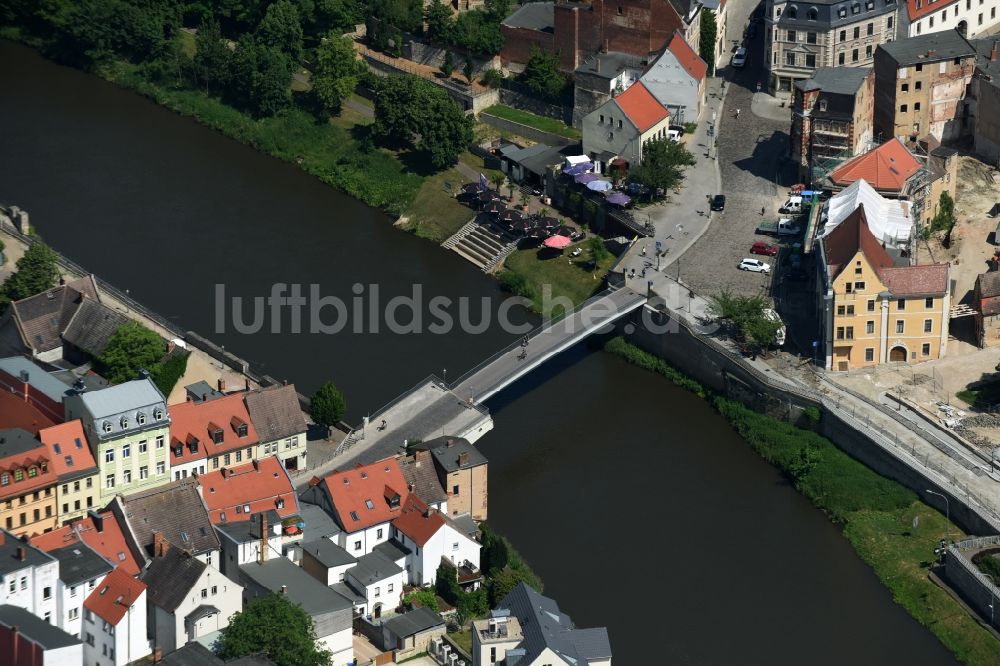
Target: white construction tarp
888	219
576	159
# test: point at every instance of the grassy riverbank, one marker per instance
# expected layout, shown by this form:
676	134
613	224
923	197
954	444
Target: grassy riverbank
876	513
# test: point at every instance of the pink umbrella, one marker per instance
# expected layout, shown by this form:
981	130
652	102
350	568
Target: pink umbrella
557	242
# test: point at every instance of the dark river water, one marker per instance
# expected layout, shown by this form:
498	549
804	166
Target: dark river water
637	505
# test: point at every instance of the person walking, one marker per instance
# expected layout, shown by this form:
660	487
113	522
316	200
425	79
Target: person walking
762	208
737	113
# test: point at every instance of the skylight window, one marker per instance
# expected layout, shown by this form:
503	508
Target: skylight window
56	448
370	504
69	461
79	444
354	517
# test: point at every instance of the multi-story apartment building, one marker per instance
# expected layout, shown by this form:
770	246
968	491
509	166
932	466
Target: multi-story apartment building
921	85
873	310
28	578
78	487
210	434
832	33
970	18
831	116
127	427
986	90
27	484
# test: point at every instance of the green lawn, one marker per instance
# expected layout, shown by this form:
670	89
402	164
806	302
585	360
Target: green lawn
187	43
435	214
569	278
463	639
531	120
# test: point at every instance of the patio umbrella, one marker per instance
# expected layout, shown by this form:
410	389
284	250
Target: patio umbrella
523	226
487	196
599	186
618	199
564	230
538	233
557	242
470	188
511	216
495	207
585	178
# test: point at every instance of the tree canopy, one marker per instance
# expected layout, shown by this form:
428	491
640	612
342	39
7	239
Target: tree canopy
336	72
280	629
327	406
745	314
662	165
281	28
541	74
706	43
37	270
132	348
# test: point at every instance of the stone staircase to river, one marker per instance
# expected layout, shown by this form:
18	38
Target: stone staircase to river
482	244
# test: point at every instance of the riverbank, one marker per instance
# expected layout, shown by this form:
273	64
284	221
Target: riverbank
885	523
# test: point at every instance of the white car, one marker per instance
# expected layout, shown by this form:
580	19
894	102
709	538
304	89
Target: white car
739	58
779	335
754	266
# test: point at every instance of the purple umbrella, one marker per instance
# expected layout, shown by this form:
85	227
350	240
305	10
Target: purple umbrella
618	199
599	185
585	178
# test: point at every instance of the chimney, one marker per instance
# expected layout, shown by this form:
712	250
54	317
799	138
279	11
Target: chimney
463	458
246	384
409	487
284	589
450	443
21	553
256	465
222	385
931	53
262	556
160	545
98	520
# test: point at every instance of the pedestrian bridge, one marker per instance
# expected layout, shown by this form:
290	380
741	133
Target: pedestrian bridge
510	364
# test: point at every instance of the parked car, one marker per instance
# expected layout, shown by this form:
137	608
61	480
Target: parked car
793	205
719	202
760	247
674	135
754	266
779	335
739	58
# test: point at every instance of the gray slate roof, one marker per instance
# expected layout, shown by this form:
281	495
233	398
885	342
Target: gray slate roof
984	46
836	80
392	549
328	553
413	622
175	509
533	16
318	522
545	626
79	562
92	326
9	562
192	654
123	397
828	14
315	599
447	456
42	317
373	567
48	385
18	440
202	390
275	412
946	45
38	630
248	530
171	577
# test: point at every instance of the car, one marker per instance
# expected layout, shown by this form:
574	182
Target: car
796	275
779	335
760	247
674	135
719	202
754	266
752	30
739	58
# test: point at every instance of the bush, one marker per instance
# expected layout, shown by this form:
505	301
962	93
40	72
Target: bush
425	598
517	284
643	359
167	373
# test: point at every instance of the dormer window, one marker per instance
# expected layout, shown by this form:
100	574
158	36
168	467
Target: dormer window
354	517
842	12
124	423
822	105
793	12
192	443
179	450
280	503
215	432
140	418
4	479
18	475
870	5
32	472
106	426
157	414
856	8
813	13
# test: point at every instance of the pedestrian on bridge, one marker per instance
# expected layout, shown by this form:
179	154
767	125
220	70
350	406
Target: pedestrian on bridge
737	113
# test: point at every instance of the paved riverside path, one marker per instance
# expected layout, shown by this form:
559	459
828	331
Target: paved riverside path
516	361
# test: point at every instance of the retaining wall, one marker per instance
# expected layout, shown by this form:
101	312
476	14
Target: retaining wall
976	588
527	132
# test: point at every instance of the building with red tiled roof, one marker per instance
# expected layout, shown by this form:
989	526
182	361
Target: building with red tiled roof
233	494
120	601
430	536
876	309
27	484
363	501
677	80
622	126
77	489
16	413
101	532
210	434
886	168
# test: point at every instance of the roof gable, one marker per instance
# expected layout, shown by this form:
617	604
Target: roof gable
195	427
847	239
169	578
686	56
275	412
105	536
886	168
926	280
42	317
114	596
367	495
92	326
641	108
69	453
418	521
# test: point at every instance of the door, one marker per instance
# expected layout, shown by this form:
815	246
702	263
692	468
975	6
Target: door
897	355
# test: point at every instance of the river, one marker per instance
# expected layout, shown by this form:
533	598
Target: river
638	506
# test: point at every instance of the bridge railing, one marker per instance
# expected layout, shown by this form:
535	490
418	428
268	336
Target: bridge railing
429	379
548	323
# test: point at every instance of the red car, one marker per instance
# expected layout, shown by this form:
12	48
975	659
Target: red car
764	248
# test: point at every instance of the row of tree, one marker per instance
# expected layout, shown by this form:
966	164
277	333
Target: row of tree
476	31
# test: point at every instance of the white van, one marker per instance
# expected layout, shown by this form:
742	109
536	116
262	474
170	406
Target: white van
674	135
779	335
793	205
788	228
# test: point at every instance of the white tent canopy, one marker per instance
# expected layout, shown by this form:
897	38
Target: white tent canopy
888	219
572	160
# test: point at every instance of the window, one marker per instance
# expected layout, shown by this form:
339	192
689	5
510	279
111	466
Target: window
904	87
840	332
123	422
24	582
899	326
109	481
870	30
357	545
857	269
157	414
215	588
389	589
869	327
215	462
204	593
857	31
916	106
280	503
888	24
454	491
161	468
159	441
925	349
858	286
791	35
813	14
918	85
378	535
931	22
109	455
140	418
619	124
46	593
106	426
4	479
850	310
901	304
143	446
810	60
868	51
227	459
849	287
854	55
48	616
843	35
90	482
980	20
841	310
869	354
378	591
90	502
856	8
822	105
127	476
602	119
454	546
928	325
870	5
871	306
611	136
239	455
928	302
919	67
840	58
73	614
903	108
126	450
790	59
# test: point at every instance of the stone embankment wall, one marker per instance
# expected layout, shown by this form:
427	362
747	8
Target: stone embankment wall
716	367
975	587
548	138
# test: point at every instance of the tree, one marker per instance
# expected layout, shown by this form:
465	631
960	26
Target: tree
944	218
542	75
502	581
336	72
598	251
662	165
706	43
448	66
37	270
211	59
335	15
498	10
469	69
439	22
446	583
259	80
745	315
281	28
425	598
497	179
280	629
327	406
132	348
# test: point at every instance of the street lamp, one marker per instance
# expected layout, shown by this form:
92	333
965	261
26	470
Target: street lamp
947	510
